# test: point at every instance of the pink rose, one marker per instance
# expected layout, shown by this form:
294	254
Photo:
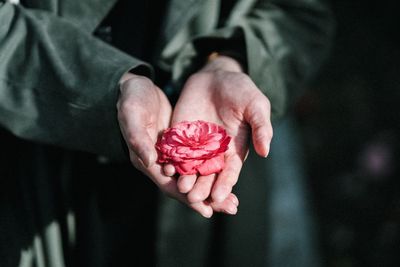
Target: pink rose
194	147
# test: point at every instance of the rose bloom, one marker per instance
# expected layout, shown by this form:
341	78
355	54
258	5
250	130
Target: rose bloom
194	147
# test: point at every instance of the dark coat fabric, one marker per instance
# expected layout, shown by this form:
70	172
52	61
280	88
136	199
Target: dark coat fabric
68	195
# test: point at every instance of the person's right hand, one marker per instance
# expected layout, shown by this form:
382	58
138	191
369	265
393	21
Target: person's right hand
221	93
143	112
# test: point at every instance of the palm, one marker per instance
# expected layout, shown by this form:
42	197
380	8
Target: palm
198	101
143	112
225	98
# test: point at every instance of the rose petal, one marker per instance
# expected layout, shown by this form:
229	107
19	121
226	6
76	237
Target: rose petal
189	167
224	144
215	136
213	165
212	146
204	128
198	153
193	145
183	150
176	138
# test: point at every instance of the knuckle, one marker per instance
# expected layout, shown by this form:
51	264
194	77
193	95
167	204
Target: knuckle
261	102
138	81
133	142
198	78
263	132
245	81
126	106
270	133
266	101
259	111
244	78
193	198
121	117
259	136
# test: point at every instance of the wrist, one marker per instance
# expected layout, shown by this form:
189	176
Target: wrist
216	61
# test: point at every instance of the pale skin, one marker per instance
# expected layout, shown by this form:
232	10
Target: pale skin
221	93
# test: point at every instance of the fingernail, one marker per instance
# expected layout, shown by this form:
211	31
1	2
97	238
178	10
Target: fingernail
232	209
207	214
184	187
235	201
144	160
147	163
149	160
169	170
194	198
267	147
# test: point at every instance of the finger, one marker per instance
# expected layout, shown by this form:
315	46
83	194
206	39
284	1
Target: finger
154	172
228	206
168	185
137	115
257	114
140	142
137	137
186	182
169	170
234	199
227	178
201	189
203	207
136	162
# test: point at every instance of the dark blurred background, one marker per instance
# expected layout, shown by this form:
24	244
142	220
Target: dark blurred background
349	121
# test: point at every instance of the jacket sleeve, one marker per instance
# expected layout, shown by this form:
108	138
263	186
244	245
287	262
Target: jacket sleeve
282	43
59	84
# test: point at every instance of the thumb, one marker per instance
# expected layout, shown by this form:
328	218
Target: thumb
258	114
137	115
141	144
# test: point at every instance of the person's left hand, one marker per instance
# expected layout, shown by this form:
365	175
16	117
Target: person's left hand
143	112
222	94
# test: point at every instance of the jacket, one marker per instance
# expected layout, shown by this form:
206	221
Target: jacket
44	98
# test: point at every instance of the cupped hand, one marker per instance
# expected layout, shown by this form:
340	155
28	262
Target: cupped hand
143	112
222	94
